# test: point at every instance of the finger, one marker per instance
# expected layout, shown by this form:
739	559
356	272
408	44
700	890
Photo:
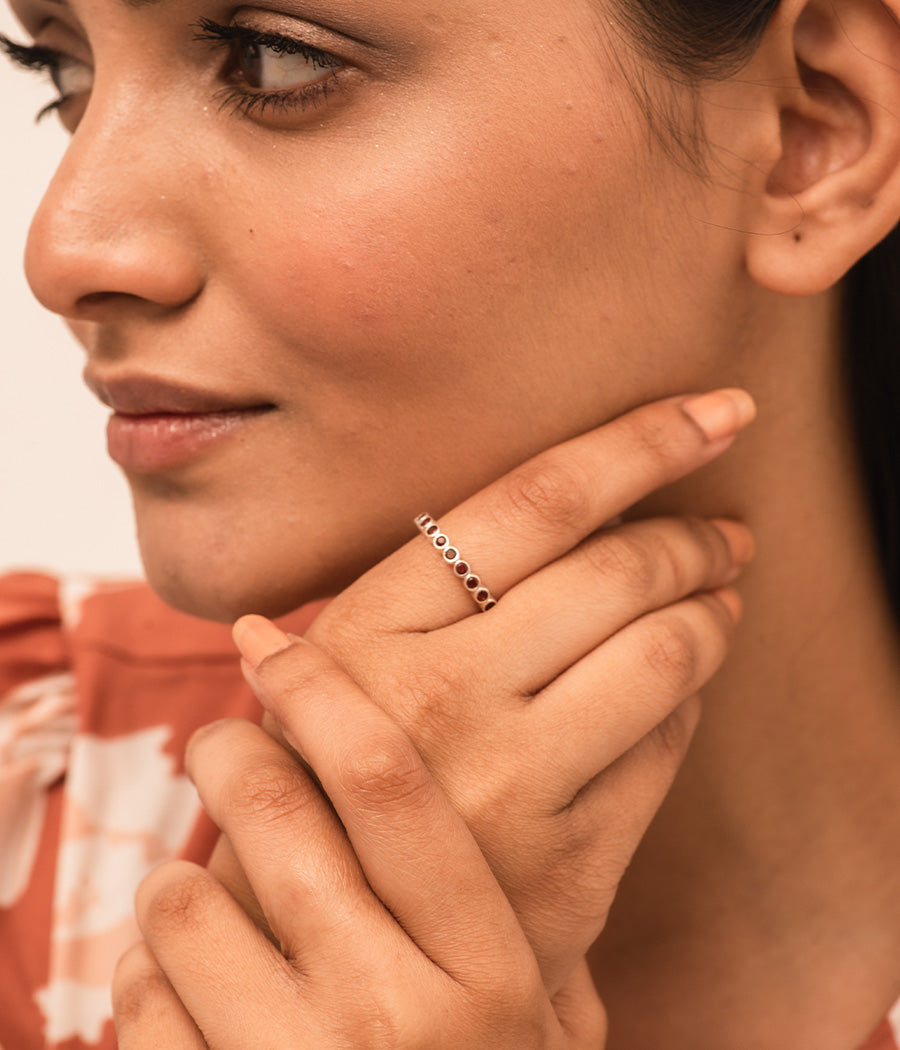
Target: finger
402	827
287	840
618	694
547	506
580	1011
599	716
591	593
603	827
147	1012
231	980
225	866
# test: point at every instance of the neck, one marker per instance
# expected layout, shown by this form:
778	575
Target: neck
764	904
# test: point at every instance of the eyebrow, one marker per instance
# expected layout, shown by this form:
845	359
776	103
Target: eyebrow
128	3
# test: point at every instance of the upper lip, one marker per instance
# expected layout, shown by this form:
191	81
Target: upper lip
143	395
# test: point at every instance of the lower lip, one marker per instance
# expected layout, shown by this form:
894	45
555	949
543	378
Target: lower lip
150	443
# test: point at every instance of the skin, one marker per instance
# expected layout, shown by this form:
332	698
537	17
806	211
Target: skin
605	695
419	399
566	268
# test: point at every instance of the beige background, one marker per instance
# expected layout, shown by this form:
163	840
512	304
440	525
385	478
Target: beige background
64	506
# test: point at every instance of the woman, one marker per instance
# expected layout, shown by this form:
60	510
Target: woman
374	256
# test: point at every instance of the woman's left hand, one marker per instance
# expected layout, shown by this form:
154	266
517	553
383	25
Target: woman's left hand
392	931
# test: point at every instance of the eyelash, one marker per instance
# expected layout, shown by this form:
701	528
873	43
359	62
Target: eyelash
37	60
250	102
234	98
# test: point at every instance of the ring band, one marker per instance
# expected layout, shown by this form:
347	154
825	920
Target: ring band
462	569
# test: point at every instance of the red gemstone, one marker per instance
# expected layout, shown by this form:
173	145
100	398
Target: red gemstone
461	568
472	582
451	554
482	595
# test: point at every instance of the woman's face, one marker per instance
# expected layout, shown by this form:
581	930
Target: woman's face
424	239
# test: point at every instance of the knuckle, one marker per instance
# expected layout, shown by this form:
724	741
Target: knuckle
492	815
378	1020
673	567
622	556
264	793
138	983
719	628
671	653
652	432
694	544
511	1008
347	623
383	770
430	698
708	547
551	492
174	896
674	734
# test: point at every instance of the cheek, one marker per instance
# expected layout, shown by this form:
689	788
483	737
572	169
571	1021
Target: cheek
407	272
405	249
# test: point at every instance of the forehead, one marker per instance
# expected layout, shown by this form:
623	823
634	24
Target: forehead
435	13
508	33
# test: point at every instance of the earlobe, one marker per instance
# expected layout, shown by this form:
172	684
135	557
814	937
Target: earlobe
834	190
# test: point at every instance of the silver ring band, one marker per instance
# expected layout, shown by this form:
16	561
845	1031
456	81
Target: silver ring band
461	568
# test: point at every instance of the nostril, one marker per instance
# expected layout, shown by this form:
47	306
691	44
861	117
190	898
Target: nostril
99	306
92	305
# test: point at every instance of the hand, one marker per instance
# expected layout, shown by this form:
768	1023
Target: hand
482	706
556	735
556	722
392	933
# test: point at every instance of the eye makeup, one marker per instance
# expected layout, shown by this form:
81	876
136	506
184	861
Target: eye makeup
272	66
269	71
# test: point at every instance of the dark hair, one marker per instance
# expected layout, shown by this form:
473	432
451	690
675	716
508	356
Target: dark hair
695	40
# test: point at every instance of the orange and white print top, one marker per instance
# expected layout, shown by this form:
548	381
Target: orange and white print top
100	688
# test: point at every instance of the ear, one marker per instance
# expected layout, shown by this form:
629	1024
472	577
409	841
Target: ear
832	184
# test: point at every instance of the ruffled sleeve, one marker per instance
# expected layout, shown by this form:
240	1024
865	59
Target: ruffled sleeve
101	686
37	723
37	719
31	639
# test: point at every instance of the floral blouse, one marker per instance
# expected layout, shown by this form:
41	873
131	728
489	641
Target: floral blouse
101	685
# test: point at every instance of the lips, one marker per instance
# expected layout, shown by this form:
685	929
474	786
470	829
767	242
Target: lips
149	395
158	424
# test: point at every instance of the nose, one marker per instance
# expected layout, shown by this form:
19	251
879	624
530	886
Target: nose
114	228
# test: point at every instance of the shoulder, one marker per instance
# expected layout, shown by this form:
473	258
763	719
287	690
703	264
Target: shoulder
50	625
31	639
130	659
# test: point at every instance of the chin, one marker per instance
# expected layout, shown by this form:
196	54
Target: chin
219	549
225	575
223	604
223	591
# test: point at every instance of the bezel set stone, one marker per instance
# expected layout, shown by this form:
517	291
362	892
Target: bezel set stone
441	542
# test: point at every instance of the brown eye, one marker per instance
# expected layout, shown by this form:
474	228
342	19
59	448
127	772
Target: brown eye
268	67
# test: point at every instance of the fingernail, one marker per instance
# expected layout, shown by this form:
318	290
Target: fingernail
258	638
739	538
721	413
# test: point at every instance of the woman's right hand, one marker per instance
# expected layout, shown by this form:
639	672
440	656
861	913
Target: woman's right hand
555	722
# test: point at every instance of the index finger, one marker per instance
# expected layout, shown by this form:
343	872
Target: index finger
547	506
